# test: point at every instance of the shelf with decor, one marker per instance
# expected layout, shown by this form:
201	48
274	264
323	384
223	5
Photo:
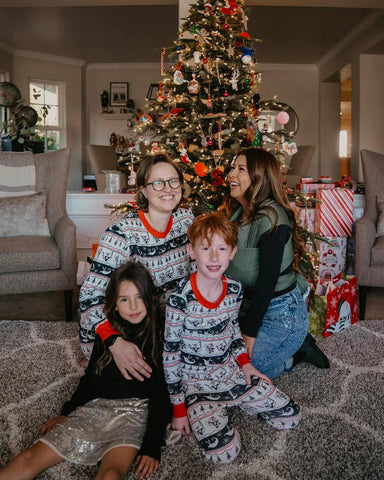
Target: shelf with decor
118	116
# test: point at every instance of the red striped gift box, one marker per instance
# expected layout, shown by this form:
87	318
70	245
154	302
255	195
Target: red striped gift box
334	215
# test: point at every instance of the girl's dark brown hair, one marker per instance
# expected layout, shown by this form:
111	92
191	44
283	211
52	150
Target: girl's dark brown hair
148	332
266	183
143	175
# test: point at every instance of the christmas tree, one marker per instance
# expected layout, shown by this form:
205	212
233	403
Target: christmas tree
207	104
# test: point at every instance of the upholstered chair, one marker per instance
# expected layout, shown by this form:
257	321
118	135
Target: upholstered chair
37	238
101	157
299	165
369	256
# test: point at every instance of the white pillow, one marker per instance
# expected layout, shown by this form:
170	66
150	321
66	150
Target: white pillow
380	218
24	216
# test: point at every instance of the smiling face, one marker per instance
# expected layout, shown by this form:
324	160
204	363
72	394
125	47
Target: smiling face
212	257
166	200
129	303
239	179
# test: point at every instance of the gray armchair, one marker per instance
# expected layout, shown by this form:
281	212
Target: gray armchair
40	262
369	259
299	165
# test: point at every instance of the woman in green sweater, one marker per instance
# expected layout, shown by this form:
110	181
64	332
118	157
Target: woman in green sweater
274	316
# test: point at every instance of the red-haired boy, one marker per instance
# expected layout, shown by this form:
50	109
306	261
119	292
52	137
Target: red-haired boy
207	368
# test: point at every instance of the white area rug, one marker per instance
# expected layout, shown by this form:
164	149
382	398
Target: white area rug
341	435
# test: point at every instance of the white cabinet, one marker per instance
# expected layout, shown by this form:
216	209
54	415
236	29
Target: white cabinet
91	217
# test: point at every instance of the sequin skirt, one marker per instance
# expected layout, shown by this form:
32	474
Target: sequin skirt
86	434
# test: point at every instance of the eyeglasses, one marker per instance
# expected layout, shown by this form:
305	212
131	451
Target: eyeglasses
159	185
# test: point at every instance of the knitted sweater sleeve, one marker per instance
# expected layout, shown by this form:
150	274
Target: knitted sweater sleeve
271	246
112	252
174	323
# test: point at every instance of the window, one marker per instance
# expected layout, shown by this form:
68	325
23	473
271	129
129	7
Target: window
48	99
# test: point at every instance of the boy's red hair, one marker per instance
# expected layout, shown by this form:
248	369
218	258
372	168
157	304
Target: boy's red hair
208	224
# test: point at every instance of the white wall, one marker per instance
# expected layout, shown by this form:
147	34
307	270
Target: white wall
98	78
371	96
25	67
296	85
329	129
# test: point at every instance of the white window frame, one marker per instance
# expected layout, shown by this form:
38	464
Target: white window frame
62	128
4	77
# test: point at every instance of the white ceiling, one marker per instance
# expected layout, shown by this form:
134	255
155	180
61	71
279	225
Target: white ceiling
119	31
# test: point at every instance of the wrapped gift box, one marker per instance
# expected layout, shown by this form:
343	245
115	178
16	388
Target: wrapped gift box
332	258
334	215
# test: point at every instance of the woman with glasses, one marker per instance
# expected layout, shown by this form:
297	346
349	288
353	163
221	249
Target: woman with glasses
155	235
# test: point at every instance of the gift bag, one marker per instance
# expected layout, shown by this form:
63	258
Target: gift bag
333	307
342	308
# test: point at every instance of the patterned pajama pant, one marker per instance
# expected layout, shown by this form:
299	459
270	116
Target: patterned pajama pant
218	438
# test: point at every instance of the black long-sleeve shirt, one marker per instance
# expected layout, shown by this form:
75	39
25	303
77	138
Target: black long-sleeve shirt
111	384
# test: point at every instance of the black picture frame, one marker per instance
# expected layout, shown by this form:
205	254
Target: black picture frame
118	94
152	91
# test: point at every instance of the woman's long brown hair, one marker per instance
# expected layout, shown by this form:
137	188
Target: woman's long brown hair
266	184
149	331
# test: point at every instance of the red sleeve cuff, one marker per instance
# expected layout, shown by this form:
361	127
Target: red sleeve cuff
243	359
105	330
179	410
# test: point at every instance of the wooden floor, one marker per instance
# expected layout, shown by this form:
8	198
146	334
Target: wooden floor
50	306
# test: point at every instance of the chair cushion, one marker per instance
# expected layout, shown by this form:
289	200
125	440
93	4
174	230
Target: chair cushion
24	216
380	217
377	253
17	174
23	254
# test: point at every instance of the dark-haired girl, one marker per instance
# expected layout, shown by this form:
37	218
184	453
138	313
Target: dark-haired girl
273	318
108	417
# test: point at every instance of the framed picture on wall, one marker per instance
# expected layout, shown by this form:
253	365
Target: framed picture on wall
118	94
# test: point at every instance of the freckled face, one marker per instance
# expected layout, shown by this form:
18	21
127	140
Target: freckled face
129	303
239	179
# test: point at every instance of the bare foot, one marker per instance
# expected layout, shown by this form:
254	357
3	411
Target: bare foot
84	362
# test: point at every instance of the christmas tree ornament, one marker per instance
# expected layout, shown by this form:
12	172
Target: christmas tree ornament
207	9
197	57
201	169
230	8
205	60
178	77
145	118
132	174
257	139
246	56
290	147
175	111
160	97
225	93
218	177
184	154
240	39
210	142
165	119
193	86
283	118
226	26
234	79
214	33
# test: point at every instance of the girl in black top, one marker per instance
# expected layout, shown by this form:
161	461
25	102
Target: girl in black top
108	417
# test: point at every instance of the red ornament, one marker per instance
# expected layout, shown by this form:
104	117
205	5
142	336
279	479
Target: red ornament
218	176
201	169
176	111
205	60
226	26
225	94
210	141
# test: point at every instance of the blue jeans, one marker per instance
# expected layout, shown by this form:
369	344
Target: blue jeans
284	327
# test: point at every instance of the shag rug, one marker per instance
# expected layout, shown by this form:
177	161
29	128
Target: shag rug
340	437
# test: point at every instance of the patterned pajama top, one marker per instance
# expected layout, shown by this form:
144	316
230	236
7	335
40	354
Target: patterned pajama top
132	238
203	346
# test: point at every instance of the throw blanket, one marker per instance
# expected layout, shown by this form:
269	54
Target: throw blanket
17	174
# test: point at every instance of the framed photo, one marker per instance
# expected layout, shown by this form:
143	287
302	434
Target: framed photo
118	94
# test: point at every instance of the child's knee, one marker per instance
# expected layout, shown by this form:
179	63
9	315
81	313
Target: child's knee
283	418
226	450
112	473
